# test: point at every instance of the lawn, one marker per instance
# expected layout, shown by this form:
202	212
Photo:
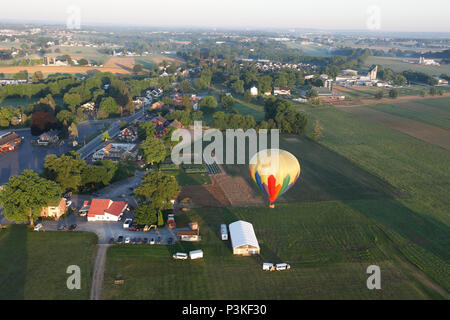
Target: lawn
328	244
16	102
33	264
185	179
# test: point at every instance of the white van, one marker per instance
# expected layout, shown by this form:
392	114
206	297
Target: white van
282	266
180	256
197	254
38	227
267	266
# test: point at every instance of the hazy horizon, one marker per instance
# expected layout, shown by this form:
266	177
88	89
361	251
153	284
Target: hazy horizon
390	16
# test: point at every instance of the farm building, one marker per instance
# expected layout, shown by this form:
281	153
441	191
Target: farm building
224	232
243	238
189	235
106	210
55	211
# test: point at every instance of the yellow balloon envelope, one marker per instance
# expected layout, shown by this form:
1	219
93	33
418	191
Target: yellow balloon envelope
274	171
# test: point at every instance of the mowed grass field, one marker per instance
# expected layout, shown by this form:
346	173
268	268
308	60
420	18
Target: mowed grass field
420	111
33	264
328	244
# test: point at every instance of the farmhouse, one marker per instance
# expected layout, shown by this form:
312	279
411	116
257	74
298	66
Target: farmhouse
9	141
116	152
47	138
281	91
106	210
128	135
55	211
243	238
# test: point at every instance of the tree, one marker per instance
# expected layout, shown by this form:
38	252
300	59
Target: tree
159	189
146	129
42	122
433	91
160	219
146	214
208	102
317	131
65	170
186	103
186	87
137	68
73	130
24	196
153	150
379	95
393	93
66	116
109	106
227	102
72	100
105	136
83	62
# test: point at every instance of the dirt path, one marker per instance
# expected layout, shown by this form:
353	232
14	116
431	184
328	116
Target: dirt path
99	268
416	129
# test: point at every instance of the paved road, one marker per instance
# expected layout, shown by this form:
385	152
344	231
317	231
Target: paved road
113	131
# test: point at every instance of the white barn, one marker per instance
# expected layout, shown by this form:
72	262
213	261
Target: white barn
243	238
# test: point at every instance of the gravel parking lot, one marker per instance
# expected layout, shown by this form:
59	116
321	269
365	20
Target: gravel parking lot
107	230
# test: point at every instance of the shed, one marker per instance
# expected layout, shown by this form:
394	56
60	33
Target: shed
224	232
243	238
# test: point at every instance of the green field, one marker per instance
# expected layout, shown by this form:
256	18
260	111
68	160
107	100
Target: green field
33	264
413	111
185	179
398	65
329	246
369	92
16	102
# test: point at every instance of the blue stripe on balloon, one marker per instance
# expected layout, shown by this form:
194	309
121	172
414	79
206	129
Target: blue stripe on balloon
258	182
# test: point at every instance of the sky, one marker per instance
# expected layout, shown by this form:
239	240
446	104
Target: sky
383	15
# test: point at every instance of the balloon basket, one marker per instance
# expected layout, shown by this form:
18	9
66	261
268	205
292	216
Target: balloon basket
272	206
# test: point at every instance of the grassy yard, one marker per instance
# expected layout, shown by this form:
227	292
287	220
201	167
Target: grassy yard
185	179
33	264
328	244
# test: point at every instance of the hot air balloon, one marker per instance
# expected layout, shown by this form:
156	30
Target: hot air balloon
275	172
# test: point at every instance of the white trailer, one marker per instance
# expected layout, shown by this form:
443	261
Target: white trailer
197	254
268	266
224	232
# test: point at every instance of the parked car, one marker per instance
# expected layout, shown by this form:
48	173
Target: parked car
133	241
169	241
282	266
145	241
72	227
139	241
68	203
111	241
158	240
127	240
38	227
180	256
127	223
152	241
120	239
60	228
134	227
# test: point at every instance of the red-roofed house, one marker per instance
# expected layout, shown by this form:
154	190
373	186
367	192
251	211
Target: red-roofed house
106	210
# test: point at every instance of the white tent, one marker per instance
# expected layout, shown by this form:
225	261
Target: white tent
243	238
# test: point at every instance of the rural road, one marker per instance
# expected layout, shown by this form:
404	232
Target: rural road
99	268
